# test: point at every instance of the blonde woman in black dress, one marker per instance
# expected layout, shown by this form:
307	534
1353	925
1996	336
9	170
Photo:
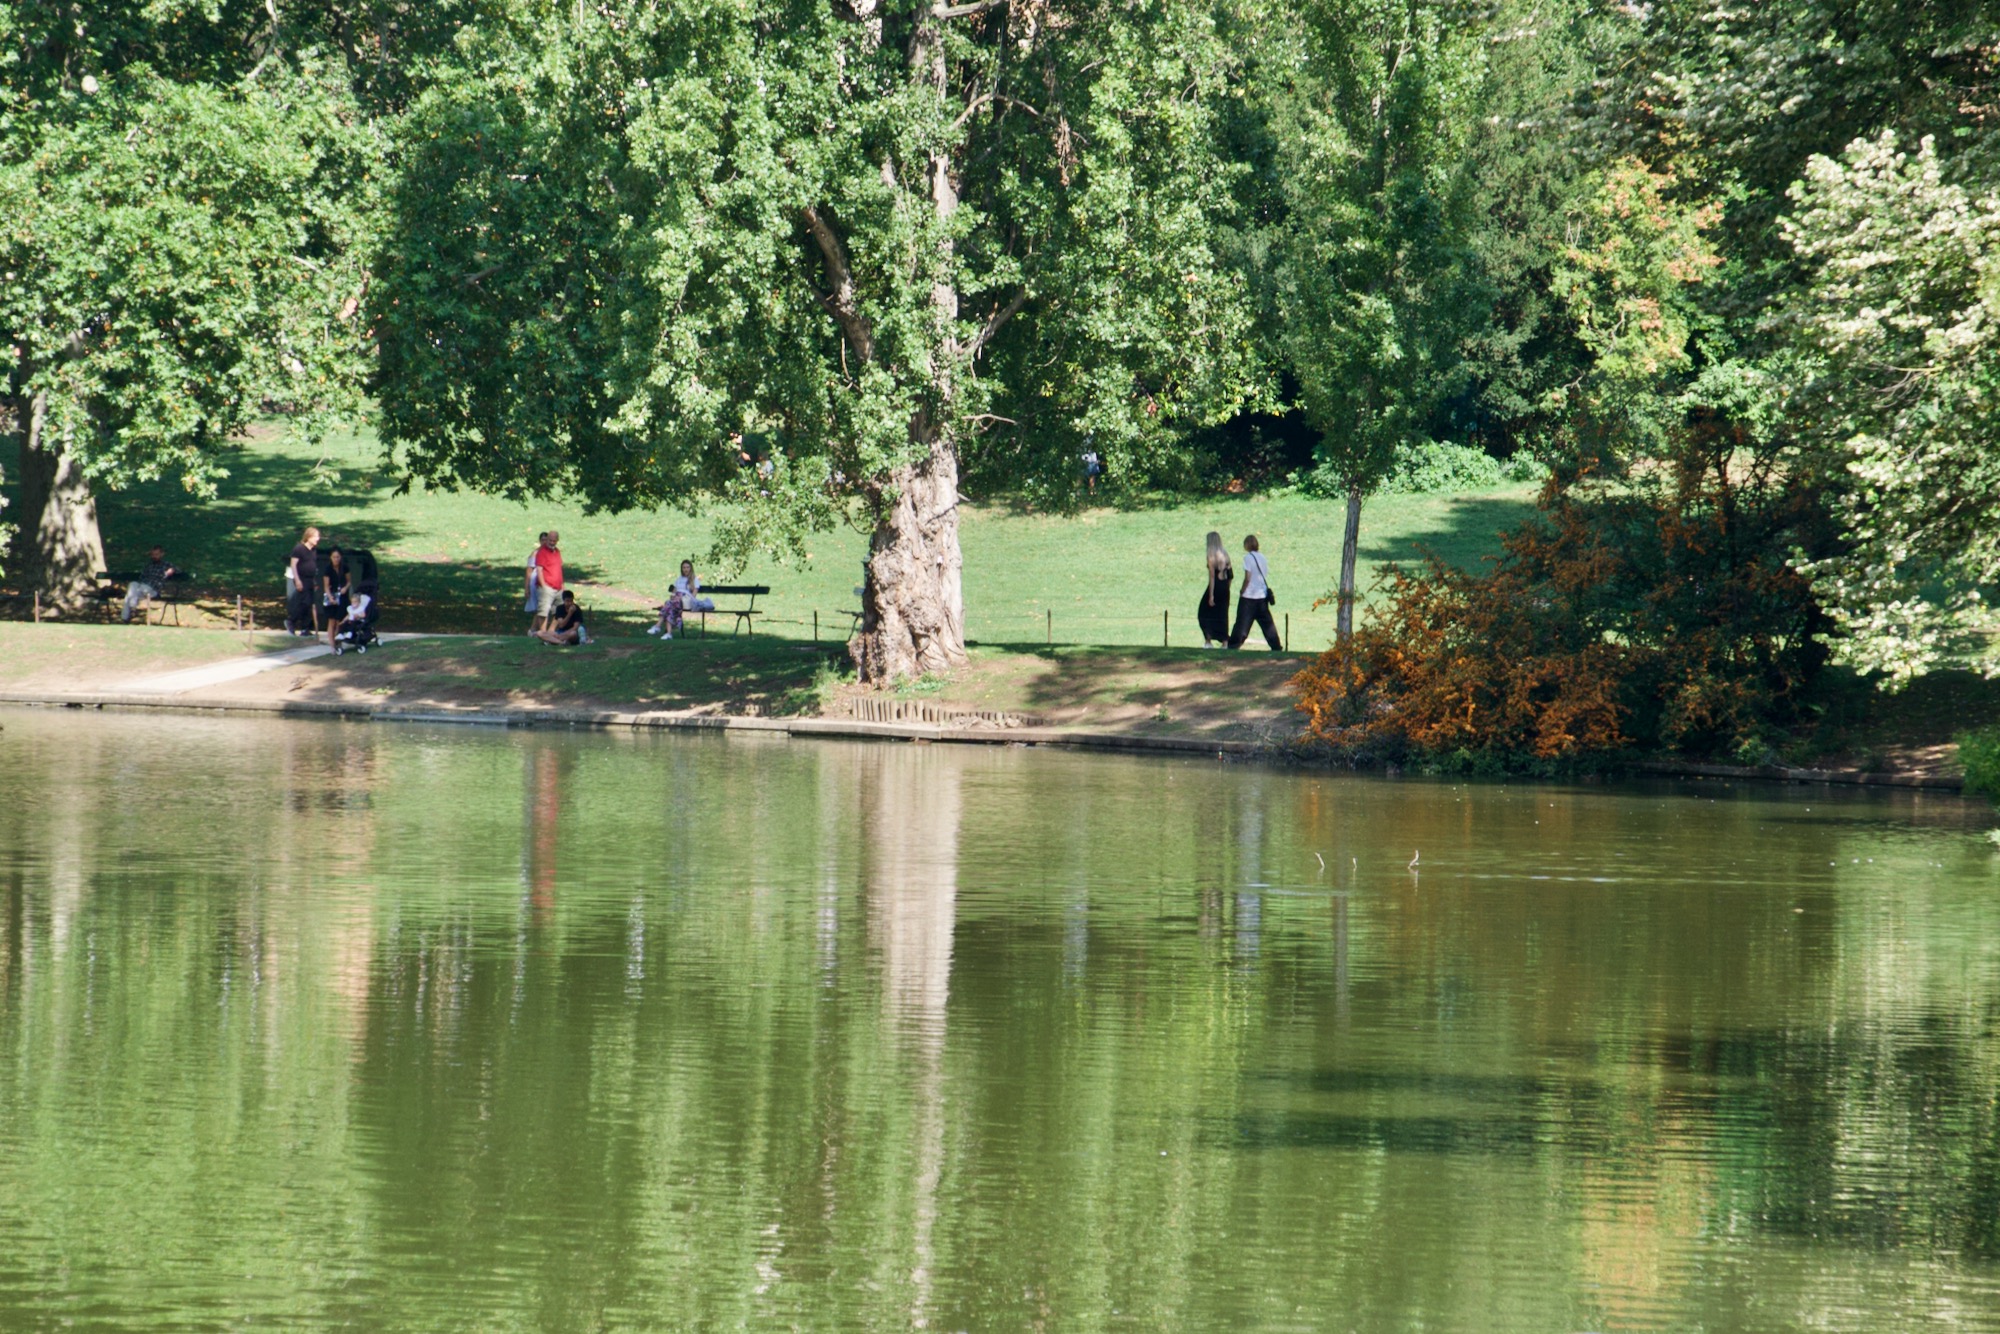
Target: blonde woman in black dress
1212	612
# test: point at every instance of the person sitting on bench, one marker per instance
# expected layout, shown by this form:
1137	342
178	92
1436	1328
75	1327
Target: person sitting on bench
151	583
567	625
685	596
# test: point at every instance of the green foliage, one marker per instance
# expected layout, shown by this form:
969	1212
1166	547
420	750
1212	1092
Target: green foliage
1432	466
180	254
1897	324
1373	280
626	240
1979	758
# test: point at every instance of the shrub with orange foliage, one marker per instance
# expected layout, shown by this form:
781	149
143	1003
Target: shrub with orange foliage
1653	610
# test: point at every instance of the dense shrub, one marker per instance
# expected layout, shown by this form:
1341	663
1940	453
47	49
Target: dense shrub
1657	610
1979	757
1434	466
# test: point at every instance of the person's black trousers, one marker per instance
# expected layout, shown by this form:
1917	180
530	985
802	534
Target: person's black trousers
300	609
1256	610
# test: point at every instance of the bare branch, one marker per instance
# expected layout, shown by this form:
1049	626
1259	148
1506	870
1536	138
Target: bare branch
965	11
840	303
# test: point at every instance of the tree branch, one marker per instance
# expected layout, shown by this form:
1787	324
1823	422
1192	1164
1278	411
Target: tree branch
840	303
965	11
995	321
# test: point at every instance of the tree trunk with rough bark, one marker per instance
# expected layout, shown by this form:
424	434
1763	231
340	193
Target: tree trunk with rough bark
59	544
1343	625
912	607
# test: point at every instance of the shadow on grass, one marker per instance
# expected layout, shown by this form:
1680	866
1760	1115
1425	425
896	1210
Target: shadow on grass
238	543
1467	537
1204	691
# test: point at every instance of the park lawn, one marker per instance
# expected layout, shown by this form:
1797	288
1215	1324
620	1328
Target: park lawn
60	655
453	561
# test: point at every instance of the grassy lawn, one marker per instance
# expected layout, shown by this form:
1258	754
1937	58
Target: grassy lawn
453	561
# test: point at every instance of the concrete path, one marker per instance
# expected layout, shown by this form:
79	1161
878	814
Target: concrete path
230	669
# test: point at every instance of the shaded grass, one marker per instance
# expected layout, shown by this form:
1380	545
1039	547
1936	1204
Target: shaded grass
759	676
453	561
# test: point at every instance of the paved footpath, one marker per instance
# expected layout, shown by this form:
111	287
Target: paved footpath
230	669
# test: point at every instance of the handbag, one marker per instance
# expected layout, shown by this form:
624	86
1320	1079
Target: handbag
1270	593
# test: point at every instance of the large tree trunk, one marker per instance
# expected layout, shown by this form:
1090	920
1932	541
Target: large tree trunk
912	607
1343	624
59	540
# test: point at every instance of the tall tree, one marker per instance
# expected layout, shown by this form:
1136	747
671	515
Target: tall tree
865	234
182	193
1900	326
1374	296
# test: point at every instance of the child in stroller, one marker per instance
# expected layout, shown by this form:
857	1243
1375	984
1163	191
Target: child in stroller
357	630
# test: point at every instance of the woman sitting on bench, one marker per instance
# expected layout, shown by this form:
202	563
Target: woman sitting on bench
685	596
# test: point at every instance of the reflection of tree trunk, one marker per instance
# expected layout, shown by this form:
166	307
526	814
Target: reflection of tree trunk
59	538
1343	625
911	798
541	825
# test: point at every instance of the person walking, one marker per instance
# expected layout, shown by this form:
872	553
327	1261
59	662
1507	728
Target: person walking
151	583
1257	600
548	581
1212	612
302	597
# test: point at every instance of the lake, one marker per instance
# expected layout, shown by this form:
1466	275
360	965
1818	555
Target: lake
324	1024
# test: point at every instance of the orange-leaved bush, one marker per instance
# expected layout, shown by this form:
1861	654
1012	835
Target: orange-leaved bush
1652	610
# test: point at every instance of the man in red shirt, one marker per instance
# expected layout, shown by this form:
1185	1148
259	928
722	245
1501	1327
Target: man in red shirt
548	581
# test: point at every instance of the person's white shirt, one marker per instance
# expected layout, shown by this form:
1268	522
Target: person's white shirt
1254	575
689	592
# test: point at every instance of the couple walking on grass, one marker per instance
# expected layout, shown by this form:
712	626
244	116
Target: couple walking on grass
1252	608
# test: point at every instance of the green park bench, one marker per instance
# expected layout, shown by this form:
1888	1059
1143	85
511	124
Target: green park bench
746	615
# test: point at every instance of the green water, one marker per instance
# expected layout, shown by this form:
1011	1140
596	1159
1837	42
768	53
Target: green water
314	1025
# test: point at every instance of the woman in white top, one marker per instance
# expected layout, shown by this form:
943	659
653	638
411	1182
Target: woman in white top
1255	604
685	596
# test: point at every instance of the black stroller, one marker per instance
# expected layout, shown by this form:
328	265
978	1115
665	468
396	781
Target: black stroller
364	607
357	631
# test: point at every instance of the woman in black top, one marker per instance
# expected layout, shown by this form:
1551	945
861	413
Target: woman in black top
1212	612
302	605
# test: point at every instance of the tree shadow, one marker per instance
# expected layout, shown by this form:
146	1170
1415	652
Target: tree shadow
1203	692
1468	535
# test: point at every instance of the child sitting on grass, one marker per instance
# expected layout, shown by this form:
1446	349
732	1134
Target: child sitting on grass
567	626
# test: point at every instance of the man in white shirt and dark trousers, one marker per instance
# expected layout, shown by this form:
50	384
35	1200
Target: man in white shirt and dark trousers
1255	602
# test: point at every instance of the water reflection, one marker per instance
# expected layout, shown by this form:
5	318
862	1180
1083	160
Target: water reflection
405	1029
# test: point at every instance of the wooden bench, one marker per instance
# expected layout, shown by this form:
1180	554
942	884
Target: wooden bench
745	615
169	599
